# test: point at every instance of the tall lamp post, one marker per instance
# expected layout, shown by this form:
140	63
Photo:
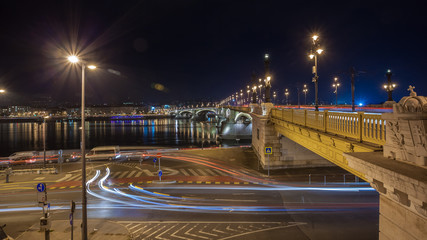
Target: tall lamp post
274	97
75	59
389	87
267	77
286	95
44	141
336	84
315	50
260	93
2	92
305	90
248	99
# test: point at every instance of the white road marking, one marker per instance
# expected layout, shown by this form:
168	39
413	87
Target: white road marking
210	172
64	178
138	174
262	230
123	174
193	172
194	235
39	178
184	172
167	230
202	172
148	173
220	172
114	175
173	234
131	174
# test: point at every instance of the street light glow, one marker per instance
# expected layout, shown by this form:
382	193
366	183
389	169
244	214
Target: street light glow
73	59
91	66
311	56
2	91
315	37
319	51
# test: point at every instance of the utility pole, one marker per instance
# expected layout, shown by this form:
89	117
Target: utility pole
352	72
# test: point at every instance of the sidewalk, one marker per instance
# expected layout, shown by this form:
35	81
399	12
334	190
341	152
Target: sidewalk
97	229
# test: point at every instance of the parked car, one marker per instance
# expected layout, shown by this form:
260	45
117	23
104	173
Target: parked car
23	155
104	153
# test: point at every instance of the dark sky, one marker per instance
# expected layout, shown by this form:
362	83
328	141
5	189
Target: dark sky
208	49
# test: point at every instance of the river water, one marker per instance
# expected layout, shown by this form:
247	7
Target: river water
164	132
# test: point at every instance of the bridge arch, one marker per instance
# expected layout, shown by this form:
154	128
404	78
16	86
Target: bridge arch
242	114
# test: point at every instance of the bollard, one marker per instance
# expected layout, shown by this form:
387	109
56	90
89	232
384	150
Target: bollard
324	180
309	178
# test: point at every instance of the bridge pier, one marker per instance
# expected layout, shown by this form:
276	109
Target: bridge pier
399	173
285	152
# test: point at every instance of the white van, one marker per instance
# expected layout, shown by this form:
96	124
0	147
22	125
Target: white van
23	155
104	153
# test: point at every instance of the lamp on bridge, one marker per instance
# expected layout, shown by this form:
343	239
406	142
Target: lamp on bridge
315	50
74	59
389	87
274	97
336	84
267	78
286	95
305	90
260	86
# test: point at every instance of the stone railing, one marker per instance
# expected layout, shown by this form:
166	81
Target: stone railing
359	126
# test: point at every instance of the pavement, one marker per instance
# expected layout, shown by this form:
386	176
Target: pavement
61	229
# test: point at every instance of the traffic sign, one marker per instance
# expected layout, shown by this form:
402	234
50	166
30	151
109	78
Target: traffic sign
160	173
41	187
159	154
154	159
268	150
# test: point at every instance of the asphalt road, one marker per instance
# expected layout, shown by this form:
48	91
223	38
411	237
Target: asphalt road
203	195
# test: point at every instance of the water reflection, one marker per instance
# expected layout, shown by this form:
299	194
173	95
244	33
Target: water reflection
66	135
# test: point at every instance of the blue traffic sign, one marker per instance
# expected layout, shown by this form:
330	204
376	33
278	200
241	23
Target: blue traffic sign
41	187
160	173
268	150
71	218
154	159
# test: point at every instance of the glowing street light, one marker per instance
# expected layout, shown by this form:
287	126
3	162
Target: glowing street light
305	90
74	59
336	84
286	95
315	50
389	87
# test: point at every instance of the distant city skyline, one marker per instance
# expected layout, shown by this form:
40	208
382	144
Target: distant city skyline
164	51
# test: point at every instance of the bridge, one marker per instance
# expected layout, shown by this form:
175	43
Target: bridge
387	150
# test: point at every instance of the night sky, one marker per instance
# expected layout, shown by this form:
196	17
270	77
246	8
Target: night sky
206	50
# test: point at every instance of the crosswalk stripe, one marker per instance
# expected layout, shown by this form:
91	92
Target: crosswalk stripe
115	175
148	173
210	172
138	174
202	172
123	174
193	172
184	172
73	177
131	174
220	172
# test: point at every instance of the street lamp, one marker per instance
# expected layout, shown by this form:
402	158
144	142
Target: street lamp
260	94
274	97
44	141
268	78
315	50
254	93
389	87
286	95
305	90
248	91
2	92
336	84
75	59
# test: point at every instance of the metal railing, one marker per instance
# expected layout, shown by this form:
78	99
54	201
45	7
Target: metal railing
359	126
